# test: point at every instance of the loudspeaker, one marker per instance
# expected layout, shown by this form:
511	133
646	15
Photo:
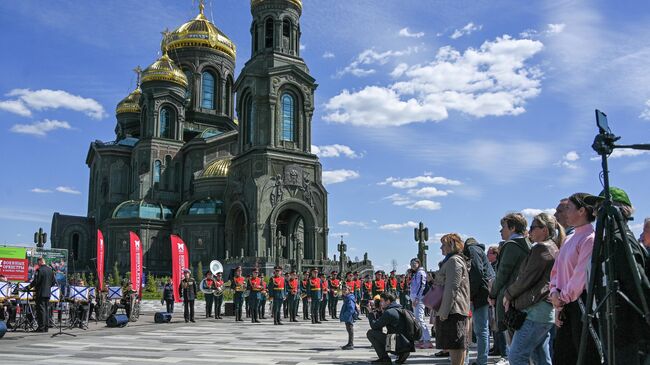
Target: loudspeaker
117	320
229	309
162	317
3	329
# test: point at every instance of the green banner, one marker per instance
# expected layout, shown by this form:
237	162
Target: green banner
13	252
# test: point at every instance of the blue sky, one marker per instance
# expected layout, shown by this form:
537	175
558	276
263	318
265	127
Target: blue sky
448	112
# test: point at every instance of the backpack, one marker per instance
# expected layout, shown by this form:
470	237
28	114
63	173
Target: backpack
410	326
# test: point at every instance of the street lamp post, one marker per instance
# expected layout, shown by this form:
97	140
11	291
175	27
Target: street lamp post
40	238
421	236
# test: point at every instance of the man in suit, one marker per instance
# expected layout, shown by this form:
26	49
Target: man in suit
42	282
187	291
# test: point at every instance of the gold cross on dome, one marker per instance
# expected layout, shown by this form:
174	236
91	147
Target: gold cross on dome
138	72
201	6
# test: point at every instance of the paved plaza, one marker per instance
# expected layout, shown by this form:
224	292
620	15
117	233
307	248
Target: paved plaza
208	341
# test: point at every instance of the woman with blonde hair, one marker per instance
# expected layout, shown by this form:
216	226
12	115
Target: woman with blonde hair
529	294
452	317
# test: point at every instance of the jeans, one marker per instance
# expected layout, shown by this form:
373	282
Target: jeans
531	343
377	339
419	314
481	322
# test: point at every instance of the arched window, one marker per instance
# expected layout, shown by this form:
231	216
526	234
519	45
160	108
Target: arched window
250	119
188	75
288	117
256	38
75	246
286	34
228	110
207	90
157	167
166	119
268	33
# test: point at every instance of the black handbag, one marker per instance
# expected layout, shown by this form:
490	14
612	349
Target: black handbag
514	319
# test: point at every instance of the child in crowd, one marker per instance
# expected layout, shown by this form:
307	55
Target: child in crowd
349	311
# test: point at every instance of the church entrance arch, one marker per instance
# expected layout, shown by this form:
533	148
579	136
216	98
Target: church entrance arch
293	226
237	237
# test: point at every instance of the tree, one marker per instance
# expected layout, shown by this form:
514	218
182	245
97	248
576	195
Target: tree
199	273
151	286
116	275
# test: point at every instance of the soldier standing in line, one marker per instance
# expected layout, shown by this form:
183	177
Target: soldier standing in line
248	299
255	295
357	286
293	297
264	295
187	290
218	295
379	285
314	290
238	284
335	291
276	291
324	294
392	284
304	293
209	297
285	301
367	293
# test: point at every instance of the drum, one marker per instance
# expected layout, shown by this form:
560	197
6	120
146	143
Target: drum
3	329
117	320
162	317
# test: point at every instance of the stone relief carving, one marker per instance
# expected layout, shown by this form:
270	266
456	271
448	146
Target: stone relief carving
277	191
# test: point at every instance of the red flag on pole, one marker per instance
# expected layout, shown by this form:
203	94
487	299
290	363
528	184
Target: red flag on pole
100	259
136	263
180	262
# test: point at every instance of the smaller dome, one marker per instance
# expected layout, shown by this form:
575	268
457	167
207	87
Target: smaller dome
218	168
199	32
164	69
207	206
142	209
130	104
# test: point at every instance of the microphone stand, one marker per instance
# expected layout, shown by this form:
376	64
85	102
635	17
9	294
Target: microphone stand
61	316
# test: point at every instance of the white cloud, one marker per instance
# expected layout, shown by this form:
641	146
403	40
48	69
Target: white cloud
40	191
399	70
302	47
466	30
492	80
335	150
45	99
398	226
411	182
328	55
338	176
555	28
404	32
67	190
425	204
531	212
40	128
399	199
358	67
645	114
619	153
339	234
353	223
569	160
25	216
429	192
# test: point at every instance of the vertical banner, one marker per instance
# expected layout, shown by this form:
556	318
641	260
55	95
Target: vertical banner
180	262
136	262
100	259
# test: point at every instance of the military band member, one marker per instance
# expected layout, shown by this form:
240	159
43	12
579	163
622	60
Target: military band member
358	286
285	302
324	285
335	290
392	283
238	284
379	284
276	291
209	297
367	293
247	302
304	293
293	296
264	295
314	290
218	295
255	287
187	290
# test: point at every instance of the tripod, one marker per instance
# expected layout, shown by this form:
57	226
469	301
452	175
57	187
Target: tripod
603	284
26	319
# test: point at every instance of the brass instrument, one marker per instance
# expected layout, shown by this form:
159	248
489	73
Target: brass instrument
218	291
204	287
216	267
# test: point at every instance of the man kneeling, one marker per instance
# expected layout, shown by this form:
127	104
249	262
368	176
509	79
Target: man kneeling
387	314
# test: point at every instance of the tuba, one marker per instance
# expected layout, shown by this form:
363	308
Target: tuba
204	287
216	267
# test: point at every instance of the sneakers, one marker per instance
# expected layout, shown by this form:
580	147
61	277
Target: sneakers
502	361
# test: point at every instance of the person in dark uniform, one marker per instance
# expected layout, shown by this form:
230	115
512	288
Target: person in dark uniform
304	293
293	296
314	290
255	288
238	284
358	284
324	294
391	283
261	306
168	296
334	292
248	299
209	297
367	294
42	282
187	290
276	291
285	302
218	295
379	284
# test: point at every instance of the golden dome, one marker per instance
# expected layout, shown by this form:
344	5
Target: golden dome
199	32
297	3
164	69
130	104
218	168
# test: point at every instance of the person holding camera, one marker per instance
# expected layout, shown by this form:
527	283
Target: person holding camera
387	314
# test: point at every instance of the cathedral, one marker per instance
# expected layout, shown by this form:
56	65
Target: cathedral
222	160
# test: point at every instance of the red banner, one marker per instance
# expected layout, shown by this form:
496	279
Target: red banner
100	259
180	262
14	269
136	263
